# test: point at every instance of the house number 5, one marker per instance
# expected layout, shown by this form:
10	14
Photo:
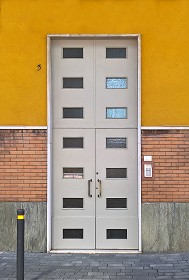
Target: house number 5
38	67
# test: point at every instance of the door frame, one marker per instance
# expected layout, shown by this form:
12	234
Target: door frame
50	37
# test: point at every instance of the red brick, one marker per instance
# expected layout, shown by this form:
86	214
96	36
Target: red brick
170	182
23	165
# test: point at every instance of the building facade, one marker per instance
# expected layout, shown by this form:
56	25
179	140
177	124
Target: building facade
94	122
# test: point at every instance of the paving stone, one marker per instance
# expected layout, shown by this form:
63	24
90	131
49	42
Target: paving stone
41	266
181	277
163	277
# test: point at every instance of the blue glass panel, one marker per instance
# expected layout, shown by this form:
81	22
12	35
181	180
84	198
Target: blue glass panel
116	113
116	83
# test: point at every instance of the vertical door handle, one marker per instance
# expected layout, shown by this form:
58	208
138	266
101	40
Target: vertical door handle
89	188
99	188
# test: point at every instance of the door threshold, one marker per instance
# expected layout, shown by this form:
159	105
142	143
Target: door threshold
95	251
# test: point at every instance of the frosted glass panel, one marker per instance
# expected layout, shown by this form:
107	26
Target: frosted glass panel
116	113
114	143
119	83
72	172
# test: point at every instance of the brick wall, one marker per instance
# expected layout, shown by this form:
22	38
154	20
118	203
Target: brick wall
23	165
170	152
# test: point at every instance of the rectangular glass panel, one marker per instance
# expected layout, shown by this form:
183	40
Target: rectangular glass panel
116	203
72	52
116	113
116	83
114	143
72	113
115	52
116	173
72	173
72	82
72	233
72	202
116	233
73	142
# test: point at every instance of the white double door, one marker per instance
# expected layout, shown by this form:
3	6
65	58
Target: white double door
94	85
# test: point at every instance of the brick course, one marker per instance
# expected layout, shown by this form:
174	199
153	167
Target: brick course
23	165
170	152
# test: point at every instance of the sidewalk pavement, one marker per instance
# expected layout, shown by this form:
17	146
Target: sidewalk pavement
97	266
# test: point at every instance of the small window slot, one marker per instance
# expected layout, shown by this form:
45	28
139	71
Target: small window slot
116	83
73	173
116	113
72	233
72	52
72	113
73	83
116	143
116	203
116	173
72	142
73	203
115	52
116	233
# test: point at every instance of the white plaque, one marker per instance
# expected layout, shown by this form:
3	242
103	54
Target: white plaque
147	158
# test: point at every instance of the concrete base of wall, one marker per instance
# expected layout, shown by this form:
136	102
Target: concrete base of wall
165	227
35	226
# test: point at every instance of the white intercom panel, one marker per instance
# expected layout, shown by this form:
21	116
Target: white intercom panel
147	170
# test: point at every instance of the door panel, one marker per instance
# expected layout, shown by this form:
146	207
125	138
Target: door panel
116	98
70	184
71	96
87	224
74	158
117	158
118	241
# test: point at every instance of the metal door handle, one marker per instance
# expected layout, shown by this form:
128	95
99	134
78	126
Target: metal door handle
89	188
99	188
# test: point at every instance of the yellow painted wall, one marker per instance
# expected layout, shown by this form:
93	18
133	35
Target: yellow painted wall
163	24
